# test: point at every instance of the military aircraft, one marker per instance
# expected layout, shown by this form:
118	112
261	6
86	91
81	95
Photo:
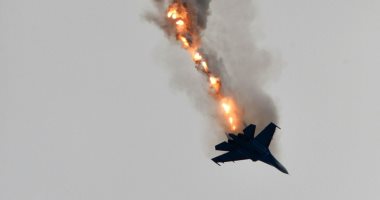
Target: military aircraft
246	146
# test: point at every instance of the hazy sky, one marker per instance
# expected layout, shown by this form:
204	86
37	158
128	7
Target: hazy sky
88	110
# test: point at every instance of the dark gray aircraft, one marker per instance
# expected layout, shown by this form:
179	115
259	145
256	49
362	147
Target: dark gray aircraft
246	146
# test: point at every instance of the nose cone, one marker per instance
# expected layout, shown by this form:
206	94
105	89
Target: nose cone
280	167
272	161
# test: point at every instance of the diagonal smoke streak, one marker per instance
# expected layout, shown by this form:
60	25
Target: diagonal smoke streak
248	66
243	67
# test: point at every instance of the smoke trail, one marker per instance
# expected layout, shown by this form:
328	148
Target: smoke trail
232	54
249	67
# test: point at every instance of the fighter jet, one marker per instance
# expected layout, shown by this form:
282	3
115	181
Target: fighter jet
246	146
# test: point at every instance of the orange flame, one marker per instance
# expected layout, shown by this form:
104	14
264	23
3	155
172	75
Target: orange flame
180	22
172	14
184	41
214	83
197	57
230	112
205	66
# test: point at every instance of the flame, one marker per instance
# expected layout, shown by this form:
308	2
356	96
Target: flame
229	111
214	83
197	57
188	35
213	80
226	107
180	22
204	65
184	41
172	14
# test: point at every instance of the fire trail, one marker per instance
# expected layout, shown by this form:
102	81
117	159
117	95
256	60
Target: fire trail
182	20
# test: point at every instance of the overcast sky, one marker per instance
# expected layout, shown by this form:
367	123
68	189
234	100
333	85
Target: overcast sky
88	111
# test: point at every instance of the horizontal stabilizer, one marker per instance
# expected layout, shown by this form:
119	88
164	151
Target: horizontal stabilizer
230	156
224	146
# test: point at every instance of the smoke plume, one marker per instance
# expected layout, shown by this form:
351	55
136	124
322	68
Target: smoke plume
232	55
248	67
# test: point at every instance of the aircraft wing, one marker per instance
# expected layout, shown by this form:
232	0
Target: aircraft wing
266	135
230	156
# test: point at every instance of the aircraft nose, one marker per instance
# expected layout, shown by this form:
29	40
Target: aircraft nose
283	169
280	167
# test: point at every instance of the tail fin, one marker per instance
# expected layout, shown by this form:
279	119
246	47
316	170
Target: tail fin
249	131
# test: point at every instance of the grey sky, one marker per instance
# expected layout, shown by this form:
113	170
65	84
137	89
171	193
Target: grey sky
88	110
